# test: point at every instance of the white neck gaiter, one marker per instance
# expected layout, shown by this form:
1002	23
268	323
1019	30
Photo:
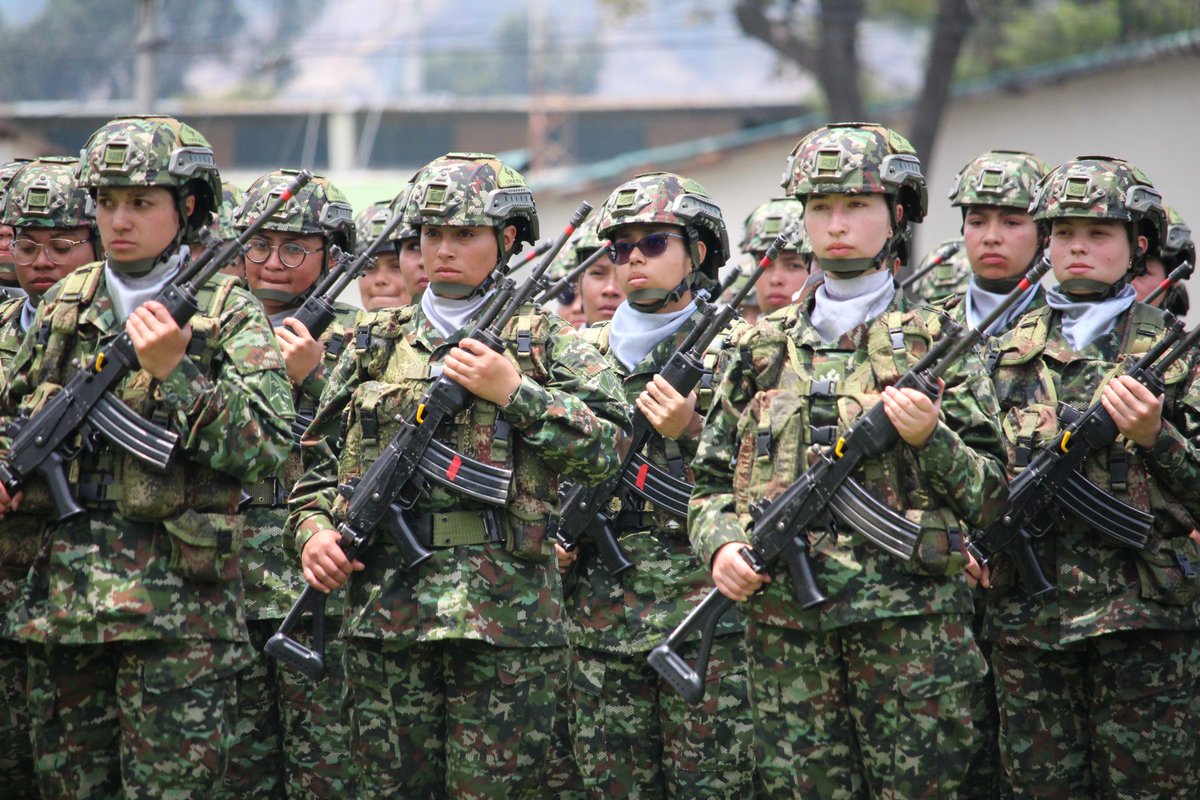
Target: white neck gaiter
449	315
1084	322
633	334
844	304
981	302
129	291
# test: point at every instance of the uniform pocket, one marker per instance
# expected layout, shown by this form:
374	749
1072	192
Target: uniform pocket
204	547
938	552
1170	572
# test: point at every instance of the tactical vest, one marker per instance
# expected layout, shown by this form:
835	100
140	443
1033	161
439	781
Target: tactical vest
1040	418
393	376
815	397
106	478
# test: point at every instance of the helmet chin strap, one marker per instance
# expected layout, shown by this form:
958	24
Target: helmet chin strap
650	301
1006	285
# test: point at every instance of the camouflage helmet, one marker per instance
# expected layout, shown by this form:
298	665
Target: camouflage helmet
764	224
667	198
858	158
1004	178
6	174
154	151
404	230
318	209
472	189
231	199
369	224
44	193
1177	246
1101	187
586	240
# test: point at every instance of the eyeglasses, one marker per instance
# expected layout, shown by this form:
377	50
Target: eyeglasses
25	251
291	254
651	245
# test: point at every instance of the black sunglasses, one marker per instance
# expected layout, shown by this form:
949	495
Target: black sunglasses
651	245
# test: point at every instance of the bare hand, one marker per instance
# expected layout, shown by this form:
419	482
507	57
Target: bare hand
482	371
668	411
326	566
160	342
913	413
734	577
565	559
1135	410
7	503
976	574
301	352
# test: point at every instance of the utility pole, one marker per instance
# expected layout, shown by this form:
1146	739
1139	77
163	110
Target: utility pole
549	128
146	45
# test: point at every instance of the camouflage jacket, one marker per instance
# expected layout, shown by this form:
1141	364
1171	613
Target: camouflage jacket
566	419
637	610
948	279
784	389
21	533
157	554
1101	587
270	568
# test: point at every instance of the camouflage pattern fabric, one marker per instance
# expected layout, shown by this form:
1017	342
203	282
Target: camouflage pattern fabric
878	709
8	274
471	189
764	224
319	208
635	737
45	194
1001	178
771	395
948	279
455	718
567	419
133	719
616	621
291	736
19	546
231	199
284	721
1113	607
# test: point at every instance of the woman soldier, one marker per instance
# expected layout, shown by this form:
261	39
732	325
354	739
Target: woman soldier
786	275
868	692
453	666
1176	249
385	283
290	733
633	735
1097	680
54	233
135	607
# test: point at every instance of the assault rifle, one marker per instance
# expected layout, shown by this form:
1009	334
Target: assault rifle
566	280
944	253
317	313
714	293
395	482
781	525
1054	480
585	510
86	404
1180	273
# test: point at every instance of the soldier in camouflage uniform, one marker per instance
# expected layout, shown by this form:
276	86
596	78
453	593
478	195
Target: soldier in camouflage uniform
290	733
222	226
9	287
384	284
867	693
780	281
1176	248
599	290
133	610
1097	680
568	304
453	667
55	231
634	736
948	279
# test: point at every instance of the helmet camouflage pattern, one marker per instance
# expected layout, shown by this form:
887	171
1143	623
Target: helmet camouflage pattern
1003	178
764	224
231	200
319	208
6	173
1177	246
1101	187
154	151
738	284
369	224
471	189
403	230
858	158
667	198
44	193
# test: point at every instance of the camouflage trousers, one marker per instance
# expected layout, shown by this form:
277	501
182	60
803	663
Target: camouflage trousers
878	709
457	718
132	719
635	737
16	751
1113	717
292	738
985	775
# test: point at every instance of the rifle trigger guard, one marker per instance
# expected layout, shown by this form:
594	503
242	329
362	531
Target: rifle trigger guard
1064	442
